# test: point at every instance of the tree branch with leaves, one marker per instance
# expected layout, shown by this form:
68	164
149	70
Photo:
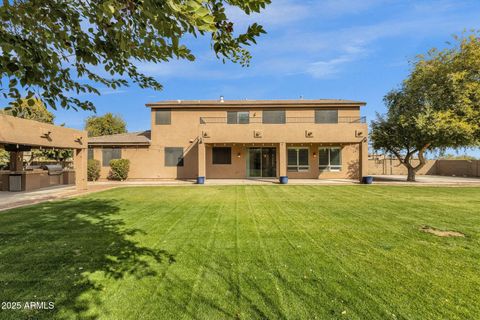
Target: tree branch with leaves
55	49
436	107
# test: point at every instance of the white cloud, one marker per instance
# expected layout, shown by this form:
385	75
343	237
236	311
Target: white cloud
105	92
294	47
281	13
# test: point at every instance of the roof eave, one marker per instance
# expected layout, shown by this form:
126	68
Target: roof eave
119	143
255	104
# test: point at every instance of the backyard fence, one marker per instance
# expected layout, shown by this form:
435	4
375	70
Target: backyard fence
459	168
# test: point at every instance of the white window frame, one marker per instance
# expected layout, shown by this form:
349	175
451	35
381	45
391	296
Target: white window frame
330	167
298	167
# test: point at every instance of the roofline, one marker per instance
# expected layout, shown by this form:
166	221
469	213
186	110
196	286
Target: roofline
255	103
118	143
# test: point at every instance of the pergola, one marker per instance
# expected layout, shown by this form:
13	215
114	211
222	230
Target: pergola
23	133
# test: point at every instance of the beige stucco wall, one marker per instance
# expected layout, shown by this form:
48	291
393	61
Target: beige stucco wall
185	131
33	133
394	167
147	163
467	168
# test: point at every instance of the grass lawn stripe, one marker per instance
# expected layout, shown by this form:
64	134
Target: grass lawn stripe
160	287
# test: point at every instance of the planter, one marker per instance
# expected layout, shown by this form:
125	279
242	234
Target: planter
367	180
283	180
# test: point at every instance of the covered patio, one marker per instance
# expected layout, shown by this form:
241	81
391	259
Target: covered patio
282	161
19	135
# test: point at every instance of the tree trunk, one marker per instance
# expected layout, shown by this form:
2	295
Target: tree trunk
411	173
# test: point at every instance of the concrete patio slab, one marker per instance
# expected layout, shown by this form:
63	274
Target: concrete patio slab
426	180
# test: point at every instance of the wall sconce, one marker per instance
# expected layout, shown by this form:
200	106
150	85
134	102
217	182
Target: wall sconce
314	155
238	155
46	136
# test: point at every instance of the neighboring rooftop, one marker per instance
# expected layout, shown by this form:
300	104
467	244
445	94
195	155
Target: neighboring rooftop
130	138
255	103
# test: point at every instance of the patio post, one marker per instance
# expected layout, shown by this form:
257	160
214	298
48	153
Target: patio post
201	162
282	155
363	161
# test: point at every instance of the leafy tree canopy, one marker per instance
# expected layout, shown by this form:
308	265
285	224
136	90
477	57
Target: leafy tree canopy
50	48
107	124
436	107
32	111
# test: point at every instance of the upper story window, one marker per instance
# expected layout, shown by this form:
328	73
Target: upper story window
298	159
109	154
221	155
326	116
173	157
330	159
238	117
163	116
273	116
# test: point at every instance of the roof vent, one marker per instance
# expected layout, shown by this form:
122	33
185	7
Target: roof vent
221	99
179	101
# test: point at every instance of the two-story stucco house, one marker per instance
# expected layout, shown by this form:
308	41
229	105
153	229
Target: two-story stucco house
243	139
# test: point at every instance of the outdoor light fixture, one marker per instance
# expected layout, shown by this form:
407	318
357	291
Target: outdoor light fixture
238	155
314	155
46	135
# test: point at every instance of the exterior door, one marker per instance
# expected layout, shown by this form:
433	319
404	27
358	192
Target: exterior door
262	162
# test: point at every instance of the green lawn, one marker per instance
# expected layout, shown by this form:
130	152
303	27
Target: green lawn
347	252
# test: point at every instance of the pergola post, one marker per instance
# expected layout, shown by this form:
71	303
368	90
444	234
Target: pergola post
80	166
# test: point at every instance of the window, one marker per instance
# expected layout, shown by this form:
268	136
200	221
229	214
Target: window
90	154
110	154
326	116
329	159
238	117
163	116
274	116
222	155
298	160
173	157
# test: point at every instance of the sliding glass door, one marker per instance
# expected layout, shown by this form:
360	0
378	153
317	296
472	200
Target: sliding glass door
262	162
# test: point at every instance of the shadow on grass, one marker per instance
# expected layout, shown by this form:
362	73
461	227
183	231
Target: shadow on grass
49	251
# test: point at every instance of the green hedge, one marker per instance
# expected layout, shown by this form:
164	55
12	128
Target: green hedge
93	170
119	169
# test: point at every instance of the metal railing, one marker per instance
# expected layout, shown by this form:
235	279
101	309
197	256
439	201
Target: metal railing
213	120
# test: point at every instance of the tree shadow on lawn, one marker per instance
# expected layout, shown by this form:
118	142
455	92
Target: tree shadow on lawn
48	251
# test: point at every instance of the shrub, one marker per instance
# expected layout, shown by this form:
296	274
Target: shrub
119	169
93	170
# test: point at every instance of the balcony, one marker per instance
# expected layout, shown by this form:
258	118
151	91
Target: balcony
292	130
250	120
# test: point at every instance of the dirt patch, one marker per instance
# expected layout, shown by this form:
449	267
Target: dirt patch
441	233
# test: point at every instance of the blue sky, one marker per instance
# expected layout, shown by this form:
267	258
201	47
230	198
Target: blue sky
347	49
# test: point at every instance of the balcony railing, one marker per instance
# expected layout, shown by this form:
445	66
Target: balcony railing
214	120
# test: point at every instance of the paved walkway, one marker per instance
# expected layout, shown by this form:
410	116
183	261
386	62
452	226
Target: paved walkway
9	200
